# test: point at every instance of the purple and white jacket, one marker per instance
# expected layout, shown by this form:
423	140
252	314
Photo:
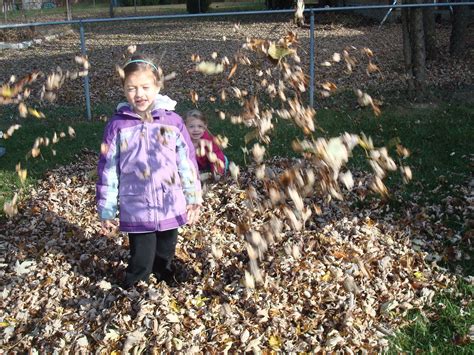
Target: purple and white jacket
150	169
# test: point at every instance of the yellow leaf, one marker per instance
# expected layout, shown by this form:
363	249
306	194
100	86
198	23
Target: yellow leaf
115	352
174	306
35	113
22	175
200	301
4	324
275	342
277	52
419	275
326	277
6	91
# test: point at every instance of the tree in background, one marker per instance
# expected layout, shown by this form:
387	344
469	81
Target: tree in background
278	4
419	40
197	6
68	10
457	43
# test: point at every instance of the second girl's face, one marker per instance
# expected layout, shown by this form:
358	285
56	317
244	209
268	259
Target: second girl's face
196	128
140	90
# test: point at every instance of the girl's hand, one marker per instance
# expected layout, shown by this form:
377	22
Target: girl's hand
192	212
108	227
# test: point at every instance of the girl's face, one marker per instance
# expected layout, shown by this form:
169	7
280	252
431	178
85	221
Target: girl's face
196	128
140	90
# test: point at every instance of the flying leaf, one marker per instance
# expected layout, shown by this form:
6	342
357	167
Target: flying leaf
278	52
24	267
209	68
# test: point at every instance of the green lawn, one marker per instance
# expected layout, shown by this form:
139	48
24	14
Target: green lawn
438	135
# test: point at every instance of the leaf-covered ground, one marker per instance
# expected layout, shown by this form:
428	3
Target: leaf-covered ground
344	282
172	42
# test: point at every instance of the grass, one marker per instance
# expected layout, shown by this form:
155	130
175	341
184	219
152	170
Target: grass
438	135
445	331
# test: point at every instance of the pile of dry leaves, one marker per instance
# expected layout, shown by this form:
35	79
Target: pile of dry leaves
342	282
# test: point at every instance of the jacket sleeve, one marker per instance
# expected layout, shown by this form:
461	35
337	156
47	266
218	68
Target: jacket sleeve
218	166
187	167
108	174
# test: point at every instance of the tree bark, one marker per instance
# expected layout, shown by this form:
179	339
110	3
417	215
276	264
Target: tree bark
429	26
457	43
5	8
407	49
418	47
111	8
68	11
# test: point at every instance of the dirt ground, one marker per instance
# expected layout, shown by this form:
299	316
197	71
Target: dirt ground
172	42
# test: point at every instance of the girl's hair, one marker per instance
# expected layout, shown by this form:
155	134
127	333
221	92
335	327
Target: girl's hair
196	114
140	62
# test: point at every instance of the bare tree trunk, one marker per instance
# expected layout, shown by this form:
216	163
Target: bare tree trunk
5	9
68	11
429	26
457	43
418	47
135	5
111	8
407	49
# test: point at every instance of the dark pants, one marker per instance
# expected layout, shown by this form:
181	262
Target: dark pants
150	253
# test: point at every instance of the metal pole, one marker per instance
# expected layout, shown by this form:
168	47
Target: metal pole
86	78
311	59
387	14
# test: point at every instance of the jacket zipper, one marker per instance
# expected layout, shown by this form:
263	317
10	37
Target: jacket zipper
153	191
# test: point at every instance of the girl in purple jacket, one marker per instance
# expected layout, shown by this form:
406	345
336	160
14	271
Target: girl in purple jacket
147	169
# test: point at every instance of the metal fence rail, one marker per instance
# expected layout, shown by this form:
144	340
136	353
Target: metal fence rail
311	11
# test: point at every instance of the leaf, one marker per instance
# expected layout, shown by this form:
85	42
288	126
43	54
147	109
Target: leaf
24	267
71	132
250	136
329	86
174	306
274	342
111	335
23	109
82	342
326	277
232	71
104	285
419	275
35	113
209	68
336	57
132	339
278	52
172	318
194	97
258	151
